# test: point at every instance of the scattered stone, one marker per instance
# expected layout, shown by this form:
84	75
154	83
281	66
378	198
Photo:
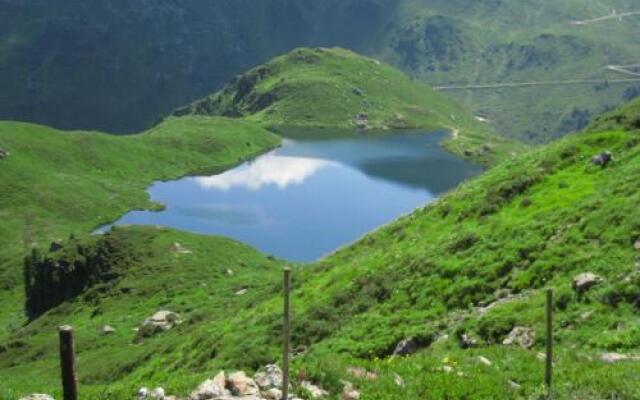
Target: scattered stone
408	346
158	393
612	358
159	322
272	394
399	381
143	393
520	336
316	392
514	385
349	392
358	91
448	369
180	249
585	281
107	330
4	154
362	373
241	292
485	361
587	315
271	377
241	385
211	388
37	396
602	159
230	272
637	245
468	342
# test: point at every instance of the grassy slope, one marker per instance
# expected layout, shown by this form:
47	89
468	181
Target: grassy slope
338	89
527	224
56	183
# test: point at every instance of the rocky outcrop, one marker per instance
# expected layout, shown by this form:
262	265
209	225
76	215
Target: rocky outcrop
159	322
265	385
585	281
520	336
408	346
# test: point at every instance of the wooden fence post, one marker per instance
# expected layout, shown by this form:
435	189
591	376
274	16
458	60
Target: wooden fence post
548	376
67	363
286	334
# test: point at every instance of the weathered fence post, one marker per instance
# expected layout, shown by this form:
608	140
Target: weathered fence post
548	376
286	334
67	363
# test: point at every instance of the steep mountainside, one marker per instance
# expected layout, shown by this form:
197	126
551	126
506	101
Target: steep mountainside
335	89
457	278
119	65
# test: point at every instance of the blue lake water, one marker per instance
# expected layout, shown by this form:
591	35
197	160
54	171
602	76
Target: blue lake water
312	195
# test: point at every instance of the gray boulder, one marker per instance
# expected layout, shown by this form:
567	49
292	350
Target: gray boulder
520	336
602	159
585	281
159	322
241	385
270	377
211	389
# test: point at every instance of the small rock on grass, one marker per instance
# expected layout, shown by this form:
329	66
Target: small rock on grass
316	392
485	361
37	396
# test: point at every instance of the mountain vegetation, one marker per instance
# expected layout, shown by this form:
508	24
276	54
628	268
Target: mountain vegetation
73	65
464	279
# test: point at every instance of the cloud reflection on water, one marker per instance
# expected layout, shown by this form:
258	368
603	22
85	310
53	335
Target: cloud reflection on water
269	169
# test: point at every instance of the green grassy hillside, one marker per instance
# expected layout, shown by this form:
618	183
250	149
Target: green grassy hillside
338	89
475	264
56	183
